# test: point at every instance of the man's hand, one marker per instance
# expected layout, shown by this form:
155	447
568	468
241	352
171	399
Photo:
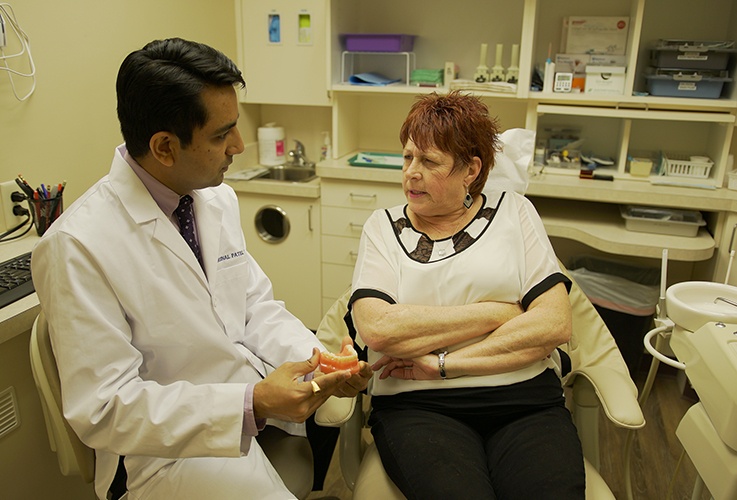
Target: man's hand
284	396
358	381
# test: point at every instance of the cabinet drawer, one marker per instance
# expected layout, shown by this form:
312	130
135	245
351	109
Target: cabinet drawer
336	279
366	195
344	221
339	250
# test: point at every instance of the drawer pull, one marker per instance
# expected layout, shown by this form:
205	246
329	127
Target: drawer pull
354	225
363	196
353	254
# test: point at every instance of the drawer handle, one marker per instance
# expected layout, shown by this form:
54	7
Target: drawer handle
363	196
353	254
353	225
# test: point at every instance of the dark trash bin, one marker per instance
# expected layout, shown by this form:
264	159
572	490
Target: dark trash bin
625	296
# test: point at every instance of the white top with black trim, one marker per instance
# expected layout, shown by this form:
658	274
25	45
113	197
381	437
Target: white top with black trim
503	254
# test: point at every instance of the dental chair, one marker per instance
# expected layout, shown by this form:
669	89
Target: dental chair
599	380
290	455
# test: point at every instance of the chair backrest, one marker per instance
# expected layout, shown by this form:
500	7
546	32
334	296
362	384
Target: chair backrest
74	457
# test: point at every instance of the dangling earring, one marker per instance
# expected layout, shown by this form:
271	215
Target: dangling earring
468	200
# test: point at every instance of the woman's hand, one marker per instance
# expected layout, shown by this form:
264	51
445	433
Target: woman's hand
420	368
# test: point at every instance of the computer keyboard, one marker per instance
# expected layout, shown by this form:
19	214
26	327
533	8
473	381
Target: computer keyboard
15	279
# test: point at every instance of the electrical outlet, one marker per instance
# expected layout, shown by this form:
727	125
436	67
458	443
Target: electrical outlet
8	219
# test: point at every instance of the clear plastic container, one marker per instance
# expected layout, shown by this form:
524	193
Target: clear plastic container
668	221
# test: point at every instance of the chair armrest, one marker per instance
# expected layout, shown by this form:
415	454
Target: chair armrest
615	391
335	411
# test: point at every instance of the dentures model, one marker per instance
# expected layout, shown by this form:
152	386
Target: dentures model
347	359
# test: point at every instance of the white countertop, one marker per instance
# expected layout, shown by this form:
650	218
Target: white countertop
570	187
588	211
17	317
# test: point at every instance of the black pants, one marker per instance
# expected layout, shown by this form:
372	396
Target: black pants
527	454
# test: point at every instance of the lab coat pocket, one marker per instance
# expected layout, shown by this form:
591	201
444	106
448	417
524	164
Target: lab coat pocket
229	290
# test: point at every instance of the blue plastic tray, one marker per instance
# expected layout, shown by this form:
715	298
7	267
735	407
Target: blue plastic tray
377	160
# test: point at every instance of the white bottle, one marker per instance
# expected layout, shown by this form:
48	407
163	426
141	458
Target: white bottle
271	145
549	77
326	151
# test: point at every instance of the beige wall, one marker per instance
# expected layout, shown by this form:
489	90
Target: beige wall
68	128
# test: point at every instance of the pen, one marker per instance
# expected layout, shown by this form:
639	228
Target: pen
24	187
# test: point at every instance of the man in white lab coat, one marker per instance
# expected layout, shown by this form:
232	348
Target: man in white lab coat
172	362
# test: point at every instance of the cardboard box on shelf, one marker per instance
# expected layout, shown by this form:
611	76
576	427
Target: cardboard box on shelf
576	63
605	79
594	35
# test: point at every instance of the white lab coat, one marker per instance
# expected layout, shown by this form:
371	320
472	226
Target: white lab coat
154	355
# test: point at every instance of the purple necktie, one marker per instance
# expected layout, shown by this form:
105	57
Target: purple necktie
185	215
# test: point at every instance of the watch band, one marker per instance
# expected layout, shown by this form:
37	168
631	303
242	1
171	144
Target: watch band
441	364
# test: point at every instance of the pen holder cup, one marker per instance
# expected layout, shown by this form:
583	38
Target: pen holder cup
45	211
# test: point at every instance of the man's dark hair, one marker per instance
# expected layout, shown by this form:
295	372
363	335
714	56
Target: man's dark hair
159	89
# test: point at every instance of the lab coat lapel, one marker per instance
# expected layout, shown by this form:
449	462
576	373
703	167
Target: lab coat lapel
146	213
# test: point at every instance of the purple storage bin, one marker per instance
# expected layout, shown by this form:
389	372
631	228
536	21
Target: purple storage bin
368	42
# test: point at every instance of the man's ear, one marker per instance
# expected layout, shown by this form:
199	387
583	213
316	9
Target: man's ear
164	147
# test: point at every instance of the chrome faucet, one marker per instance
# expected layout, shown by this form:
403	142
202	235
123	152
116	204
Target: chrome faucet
297	156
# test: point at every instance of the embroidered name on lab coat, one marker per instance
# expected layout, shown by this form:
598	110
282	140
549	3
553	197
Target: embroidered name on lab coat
232	255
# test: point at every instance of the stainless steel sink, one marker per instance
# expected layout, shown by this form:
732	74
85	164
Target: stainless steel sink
288	174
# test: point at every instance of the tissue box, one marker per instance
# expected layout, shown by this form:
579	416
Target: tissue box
732	180
640	167
605	79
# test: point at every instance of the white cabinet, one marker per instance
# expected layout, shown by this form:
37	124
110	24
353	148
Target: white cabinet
369	118
282	51
535	26
346	204
283	235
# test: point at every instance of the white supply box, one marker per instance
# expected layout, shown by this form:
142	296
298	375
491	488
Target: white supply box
669	221
595	35
605	79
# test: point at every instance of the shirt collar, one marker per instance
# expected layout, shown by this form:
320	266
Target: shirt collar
165	198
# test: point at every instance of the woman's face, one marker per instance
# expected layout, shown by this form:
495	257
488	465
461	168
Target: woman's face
430	186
